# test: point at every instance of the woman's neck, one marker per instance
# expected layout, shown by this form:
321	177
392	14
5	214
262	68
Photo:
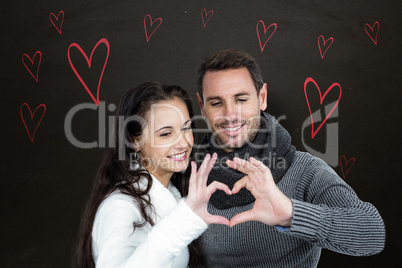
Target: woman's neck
163	177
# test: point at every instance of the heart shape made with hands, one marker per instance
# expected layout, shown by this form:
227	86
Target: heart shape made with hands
271	206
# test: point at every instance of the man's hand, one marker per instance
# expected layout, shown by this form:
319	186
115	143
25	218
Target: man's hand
271	206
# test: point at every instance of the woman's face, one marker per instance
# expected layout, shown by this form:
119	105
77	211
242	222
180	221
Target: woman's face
167	139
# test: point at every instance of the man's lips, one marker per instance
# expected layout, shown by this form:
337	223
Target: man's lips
232	130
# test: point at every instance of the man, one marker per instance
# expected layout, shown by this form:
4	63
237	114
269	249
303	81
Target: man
286	205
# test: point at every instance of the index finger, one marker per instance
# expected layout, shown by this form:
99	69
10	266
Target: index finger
241	165
208	164
257	163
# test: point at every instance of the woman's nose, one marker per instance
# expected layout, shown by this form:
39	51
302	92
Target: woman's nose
183	141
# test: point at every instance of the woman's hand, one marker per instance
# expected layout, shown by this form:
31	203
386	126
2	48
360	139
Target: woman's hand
199	193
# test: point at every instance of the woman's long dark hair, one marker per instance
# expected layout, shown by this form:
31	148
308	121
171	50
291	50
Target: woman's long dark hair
115	173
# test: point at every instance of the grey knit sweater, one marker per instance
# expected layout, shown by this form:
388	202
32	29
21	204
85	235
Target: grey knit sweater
326	214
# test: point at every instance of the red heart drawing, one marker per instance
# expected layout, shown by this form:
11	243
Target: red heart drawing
32	63
265	33
51	16
206	15
102	41
150	25
375	28
322	97
352	160
324	42
32	137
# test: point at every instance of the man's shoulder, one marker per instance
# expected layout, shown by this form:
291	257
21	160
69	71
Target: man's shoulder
309	163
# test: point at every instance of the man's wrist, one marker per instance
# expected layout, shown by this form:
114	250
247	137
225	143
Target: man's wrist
282	228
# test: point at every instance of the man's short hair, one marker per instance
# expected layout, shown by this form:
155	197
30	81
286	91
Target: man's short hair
230	59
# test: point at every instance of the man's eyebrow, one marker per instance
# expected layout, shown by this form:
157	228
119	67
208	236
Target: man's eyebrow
242	94
214	98
219	98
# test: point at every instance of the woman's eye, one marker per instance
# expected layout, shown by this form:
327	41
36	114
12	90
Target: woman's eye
166	134
186	128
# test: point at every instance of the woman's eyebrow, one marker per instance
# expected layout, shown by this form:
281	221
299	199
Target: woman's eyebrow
170	127
165	127
185	123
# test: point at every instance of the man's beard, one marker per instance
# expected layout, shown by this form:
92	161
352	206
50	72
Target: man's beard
252	126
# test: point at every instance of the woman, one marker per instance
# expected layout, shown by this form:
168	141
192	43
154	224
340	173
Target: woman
136	216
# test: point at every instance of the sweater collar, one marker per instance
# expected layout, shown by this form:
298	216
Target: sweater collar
163	199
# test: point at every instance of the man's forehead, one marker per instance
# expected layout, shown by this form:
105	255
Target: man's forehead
228	82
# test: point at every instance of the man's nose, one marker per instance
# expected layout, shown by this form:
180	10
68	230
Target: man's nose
231	112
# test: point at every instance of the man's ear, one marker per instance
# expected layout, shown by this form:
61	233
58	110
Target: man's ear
262	97
201	104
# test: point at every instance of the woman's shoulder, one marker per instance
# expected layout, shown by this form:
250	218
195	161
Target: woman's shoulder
118	205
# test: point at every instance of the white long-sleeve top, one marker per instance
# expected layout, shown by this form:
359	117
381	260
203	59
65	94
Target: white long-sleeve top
116	243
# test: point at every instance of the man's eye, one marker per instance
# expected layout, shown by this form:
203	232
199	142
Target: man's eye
215	103
242	100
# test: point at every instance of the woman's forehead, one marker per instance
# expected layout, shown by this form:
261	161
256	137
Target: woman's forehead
168	112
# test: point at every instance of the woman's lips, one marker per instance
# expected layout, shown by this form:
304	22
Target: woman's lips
179	157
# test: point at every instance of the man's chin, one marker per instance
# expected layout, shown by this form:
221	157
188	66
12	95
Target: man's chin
231	146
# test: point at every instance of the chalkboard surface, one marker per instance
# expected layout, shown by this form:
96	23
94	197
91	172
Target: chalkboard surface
336	63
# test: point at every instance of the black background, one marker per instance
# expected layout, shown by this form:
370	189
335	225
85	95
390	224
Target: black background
45	183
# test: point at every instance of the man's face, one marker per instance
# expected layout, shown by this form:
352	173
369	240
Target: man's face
232	106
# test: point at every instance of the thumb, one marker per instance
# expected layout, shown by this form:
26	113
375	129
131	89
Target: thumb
243	217
215	219
239	184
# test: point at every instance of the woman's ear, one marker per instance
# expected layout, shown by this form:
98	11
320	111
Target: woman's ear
135	144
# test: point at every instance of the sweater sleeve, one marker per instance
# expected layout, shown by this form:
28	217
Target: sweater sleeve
118	244
331	215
